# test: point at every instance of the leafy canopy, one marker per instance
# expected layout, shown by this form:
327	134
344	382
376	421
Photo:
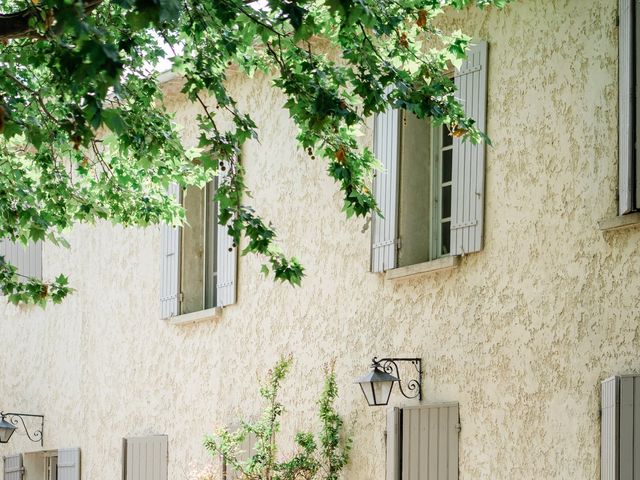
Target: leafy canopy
85	134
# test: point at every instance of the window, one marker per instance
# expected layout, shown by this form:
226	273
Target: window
145	458
422	442
198	260
63	464
628	109
431	189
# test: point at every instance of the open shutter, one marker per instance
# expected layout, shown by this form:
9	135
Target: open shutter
170	264
386	147
227	262
626	180
430	442
13	468
146	458
394	443
467	191
69	464
26	258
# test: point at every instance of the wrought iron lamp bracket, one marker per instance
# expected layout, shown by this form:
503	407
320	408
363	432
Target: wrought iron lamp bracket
390	365
16	419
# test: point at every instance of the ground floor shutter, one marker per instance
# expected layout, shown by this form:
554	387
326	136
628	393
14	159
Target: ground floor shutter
69	464
430	442
468	167
384	228
394	443
170	264
13	467
146	458
227	252
246	451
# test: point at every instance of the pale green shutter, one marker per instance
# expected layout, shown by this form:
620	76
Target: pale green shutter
13	468
69	464
467	190
394	443
146	458
170	264
430	442
26	258
626	107
227	261
386	147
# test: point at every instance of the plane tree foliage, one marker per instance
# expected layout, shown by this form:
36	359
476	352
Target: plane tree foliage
85	134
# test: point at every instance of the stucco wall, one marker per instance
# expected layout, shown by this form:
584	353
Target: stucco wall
520	334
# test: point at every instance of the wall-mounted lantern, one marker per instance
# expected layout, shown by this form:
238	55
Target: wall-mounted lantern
8	427
378	383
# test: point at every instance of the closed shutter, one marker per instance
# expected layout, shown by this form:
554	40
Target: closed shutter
394	443
430	442
246	450
626	107
609	430
629	446
69	464
146	458
170	264
227	262
386	147
13	469
467	190
26	258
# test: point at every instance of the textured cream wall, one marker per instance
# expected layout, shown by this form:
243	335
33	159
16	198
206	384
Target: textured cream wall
520	334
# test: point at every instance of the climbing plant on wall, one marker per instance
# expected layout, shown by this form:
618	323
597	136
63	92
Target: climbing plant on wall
85	136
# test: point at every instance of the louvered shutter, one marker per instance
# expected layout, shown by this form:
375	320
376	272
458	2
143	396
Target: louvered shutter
467	190
227	262
170	264
626	107
386	147
13	469
394	443
26	258
69	464
146	458
430	442
609	430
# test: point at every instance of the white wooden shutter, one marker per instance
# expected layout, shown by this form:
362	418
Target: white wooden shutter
69	464
394	443
626	107
386	147
26	258
430	442
609	430
227	261
467	190
13	468
146	458
170	264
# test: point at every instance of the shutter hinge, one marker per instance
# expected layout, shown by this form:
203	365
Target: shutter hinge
398	243
181	297
617	20
458	427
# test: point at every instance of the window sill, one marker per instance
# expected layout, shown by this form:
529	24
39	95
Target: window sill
621	221
438	265
196	317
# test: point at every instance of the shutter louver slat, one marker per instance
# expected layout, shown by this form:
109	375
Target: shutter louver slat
227	262
170	264
467	194
69	464
626	179
386	145
13	468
